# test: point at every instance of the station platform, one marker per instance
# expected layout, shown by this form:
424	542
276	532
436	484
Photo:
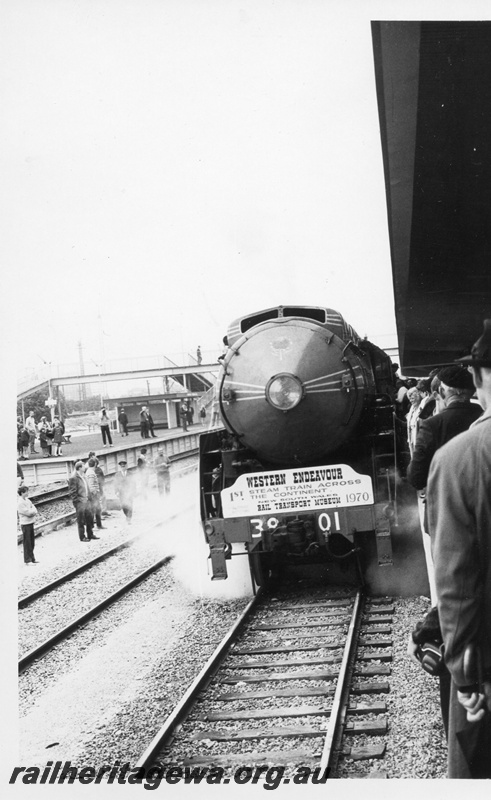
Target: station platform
174	441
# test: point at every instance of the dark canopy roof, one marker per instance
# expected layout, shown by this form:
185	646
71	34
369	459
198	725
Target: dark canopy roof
434	96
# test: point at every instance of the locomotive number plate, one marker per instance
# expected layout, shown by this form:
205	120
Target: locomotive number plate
260	524
263	495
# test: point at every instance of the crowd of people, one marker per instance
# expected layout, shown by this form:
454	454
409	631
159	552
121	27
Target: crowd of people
87	493
435	409
86	487
50	435
449	435
86	484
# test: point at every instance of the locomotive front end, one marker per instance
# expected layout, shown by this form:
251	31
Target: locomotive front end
300	470
292	391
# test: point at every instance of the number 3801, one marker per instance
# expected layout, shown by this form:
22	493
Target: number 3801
260	524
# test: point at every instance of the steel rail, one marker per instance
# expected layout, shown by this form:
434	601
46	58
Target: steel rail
67	576
337	705
29	598
63	633
175	717
50	495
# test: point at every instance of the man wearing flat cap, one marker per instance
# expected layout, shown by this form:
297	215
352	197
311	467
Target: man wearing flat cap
459	517
456	389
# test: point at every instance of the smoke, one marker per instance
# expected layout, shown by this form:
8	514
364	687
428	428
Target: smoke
192	567
408	575
182	536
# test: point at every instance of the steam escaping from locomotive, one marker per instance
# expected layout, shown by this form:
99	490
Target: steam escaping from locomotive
305	465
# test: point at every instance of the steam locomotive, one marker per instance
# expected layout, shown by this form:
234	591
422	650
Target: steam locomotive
304	470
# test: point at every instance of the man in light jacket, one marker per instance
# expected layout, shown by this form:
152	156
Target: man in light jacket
32	430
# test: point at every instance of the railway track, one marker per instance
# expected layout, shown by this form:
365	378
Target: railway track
48	500
64	632
296	683
27	599
48	496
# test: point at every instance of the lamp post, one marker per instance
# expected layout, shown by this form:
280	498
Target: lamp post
51	403
99	368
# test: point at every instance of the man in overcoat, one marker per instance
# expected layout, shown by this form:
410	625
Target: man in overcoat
123	422
459	516
80	497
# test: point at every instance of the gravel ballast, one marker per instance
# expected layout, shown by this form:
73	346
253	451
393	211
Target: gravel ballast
130	684
102	695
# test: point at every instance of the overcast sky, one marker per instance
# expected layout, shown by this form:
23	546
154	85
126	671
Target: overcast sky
173	164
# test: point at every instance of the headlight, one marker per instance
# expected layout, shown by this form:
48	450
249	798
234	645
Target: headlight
284	391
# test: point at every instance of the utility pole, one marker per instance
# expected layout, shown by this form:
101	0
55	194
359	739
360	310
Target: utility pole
82	387
102	350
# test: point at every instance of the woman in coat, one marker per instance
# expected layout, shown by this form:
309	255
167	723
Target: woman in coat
58	431
45	432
